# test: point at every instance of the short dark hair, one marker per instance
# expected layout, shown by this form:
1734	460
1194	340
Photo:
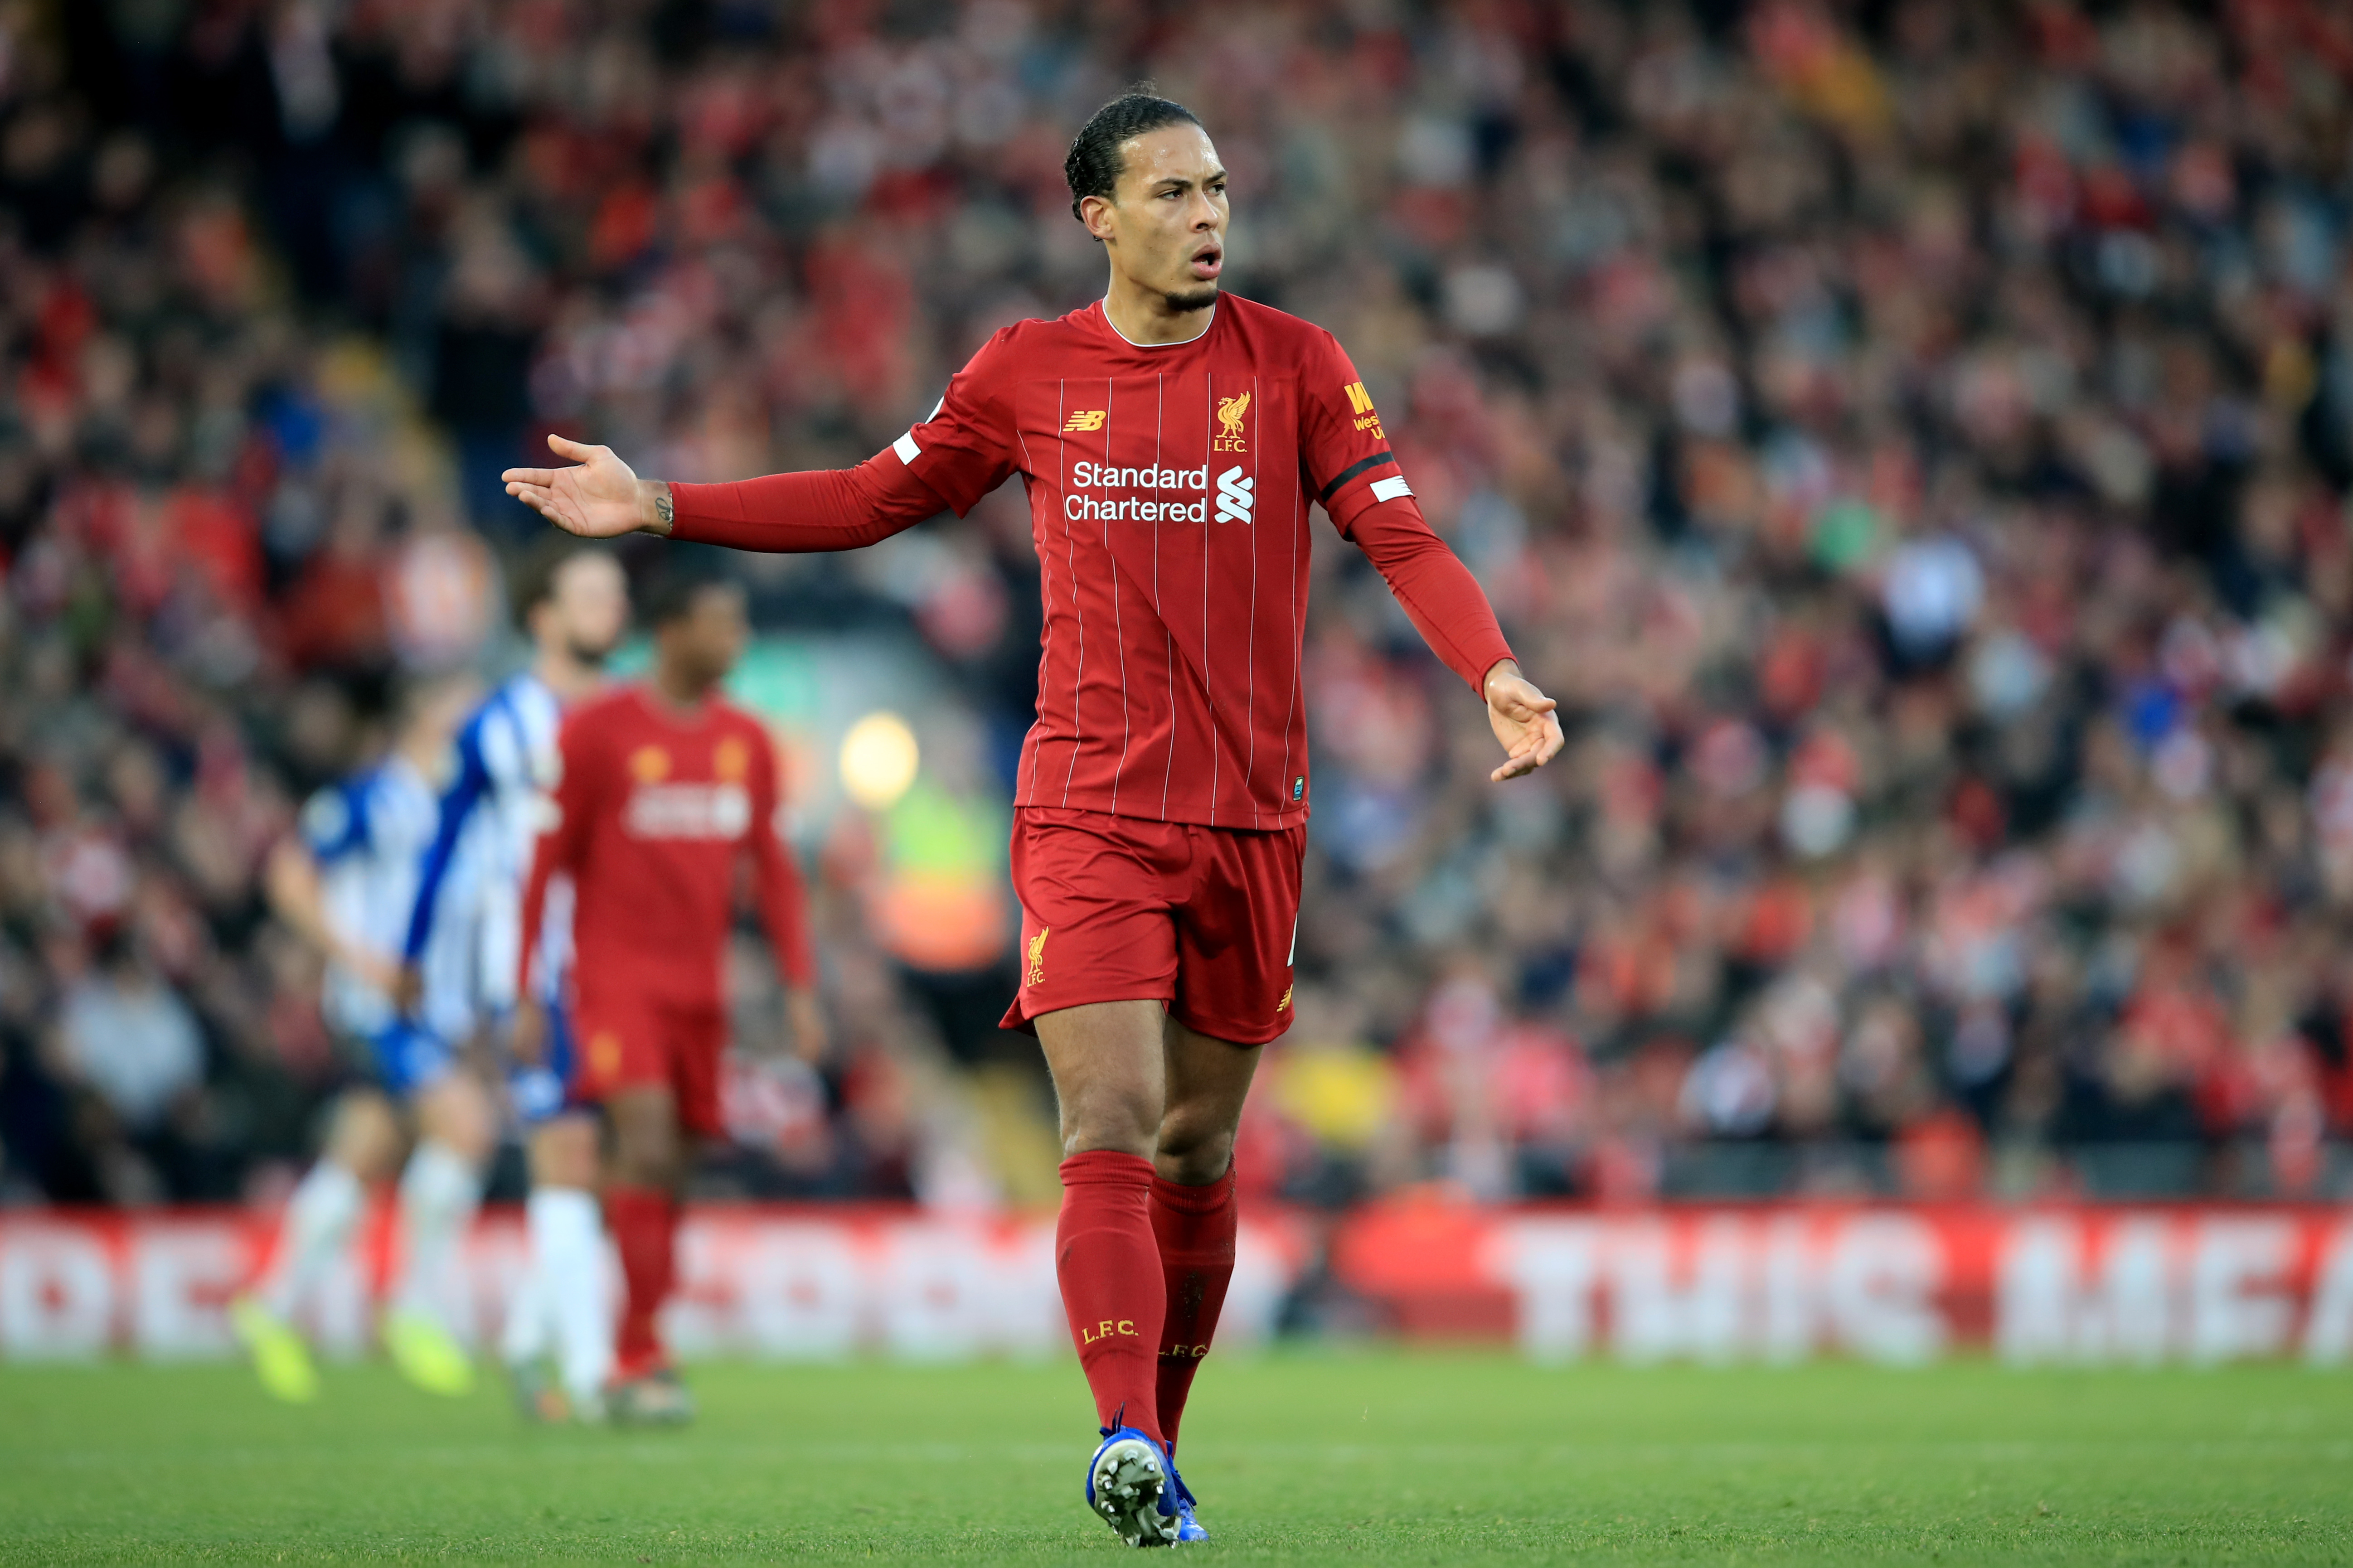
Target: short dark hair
409	692
680	584
535	574
1092	165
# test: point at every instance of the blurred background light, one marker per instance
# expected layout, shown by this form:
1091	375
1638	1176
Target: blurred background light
878	758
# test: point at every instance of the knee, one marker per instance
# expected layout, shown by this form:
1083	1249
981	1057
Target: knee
1196	1146
365	1139
564	1153
456	1112
647	1158
645	1146
1105	1119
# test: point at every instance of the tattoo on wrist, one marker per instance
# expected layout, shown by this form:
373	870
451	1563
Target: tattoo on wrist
665	510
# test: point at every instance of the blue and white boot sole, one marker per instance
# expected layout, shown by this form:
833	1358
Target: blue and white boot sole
1123	1486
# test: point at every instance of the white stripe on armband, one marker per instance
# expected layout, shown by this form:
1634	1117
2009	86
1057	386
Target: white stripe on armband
1390	489
906	448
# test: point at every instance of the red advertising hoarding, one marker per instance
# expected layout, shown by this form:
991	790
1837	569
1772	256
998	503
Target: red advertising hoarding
2190	1283
1884	1282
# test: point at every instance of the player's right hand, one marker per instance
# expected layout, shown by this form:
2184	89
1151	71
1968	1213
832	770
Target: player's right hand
811	1037
407	990
375	970
527	1034
596	499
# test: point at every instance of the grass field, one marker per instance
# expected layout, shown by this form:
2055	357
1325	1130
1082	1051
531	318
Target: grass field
1374	1457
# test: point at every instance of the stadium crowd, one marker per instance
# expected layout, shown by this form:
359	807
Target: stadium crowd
1912	439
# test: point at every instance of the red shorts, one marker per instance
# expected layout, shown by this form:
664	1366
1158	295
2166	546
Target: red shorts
631	1040
1119	909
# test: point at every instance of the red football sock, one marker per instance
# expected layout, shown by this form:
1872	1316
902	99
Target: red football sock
644	1222
1194	1227
1109	1266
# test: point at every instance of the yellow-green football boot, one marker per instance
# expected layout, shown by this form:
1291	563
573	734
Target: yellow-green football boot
280	1358
426	1354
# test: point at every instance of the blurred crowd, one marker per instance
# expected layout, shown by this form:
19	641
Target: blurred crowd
1911	437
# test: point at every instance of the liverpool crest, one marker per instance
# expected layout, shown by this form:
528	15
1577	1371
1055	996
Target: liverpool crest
1229	417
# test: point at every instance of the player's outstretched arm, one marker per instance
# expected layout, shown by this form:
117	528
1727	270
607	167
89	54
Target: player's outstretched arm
1524	719
946	462
785	514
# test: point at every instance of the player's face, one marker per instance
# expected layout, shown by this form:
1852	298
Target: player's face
433	717
709	638
1167	228
590	606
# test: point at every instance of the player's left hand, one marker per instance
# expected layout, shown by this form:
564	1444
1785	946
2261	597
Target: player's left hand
1523	721
377	973
807	1019
527	1032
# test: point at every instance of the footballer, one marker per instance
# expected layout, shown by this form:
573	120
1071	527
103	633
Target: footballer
664	791
573	602
1171	440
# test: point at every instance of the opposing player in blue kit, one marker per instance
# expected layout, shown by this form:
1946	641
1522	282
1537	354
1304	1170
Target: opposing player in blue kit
346	884
571	602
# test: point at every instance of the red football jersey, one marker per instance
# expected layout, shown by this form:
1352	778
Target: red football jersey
1169	489
653	811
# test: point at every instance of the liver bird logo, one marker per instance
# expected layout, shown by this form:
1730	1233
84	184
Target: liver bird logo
1229	414
1037	959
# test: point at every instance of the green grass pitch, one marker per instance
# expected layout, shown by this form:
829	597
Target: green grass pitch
1300	1458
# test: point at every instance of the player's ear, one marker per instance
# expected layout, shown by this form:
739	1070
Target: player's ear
1095	212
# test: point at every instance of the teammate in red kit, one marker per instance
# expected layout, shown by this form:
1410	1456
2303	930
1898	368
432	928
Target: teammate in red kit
1171	443
663	790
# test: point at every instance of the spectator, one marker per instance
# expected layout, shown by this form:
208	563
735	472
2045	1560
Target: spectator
129	1038
1915	439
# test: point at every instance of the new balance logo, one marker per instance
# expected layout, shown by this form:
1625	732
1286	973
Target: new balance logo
1234	498
1084	419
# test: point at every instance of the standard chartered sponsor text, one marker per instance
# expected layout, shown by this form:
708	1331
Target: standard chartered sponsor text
1085	475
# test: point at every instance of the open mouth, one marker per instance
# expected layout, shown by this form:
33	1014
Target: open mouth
1208	261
